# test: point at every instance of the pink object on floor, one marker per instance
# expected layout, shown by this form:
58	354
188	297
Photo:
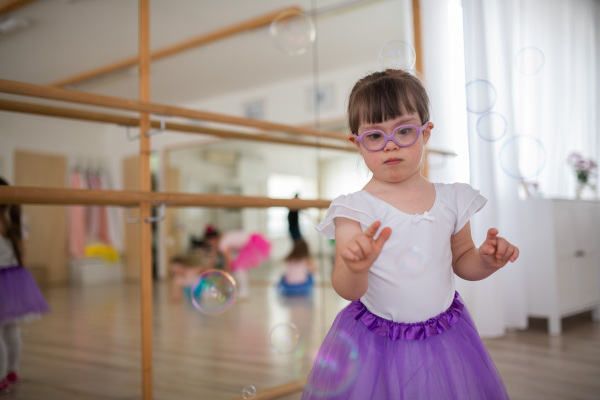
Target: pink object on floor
13	378
4	388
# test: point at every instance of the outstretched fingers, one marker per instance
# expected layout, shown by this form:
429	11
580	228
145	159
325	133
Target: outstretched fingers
384	235
489	245
499	248
365	246
372	229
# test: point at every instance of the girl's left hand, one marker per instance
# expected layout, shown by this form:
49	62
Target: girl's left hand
497	251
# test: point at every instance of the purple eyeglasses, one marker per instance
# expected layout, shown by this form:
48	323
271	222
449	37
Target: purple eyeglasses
404	135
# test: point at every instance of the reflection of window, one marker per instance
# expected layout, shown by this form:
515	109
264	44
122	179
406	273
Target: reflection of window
285	187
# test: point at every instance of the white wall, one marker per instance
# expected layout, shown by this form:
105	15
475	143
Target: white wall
285	102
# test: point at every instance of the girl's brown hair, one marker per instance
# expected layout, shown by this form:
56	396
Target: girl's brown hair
381	96
299	251
10	220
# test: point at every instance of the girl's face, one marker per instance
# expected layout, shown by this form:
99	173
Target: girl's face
394	163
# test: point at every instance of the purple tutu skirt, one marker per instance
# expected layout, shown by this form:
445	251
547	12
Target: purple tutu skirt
253	253
20	297
365	357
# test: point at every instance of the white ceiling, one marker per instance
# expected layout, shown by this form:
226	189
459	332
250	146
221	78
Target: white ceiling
67	37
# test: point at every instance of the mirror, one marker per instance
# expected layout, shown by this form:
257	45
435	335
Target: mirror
96	312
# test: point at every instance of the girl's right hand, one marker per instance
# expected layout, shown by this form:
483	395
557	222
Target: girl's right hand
361	251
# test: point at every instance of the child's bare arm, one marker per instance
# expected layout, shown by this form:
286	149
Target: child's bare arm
355	253
473	264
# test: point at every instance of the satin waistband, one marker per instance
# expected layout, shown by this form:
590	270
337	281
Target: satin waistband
407	331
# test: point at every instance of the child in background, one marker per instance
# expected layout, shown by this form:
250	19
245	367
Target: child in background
216	259
186	270
203	256
242	251
411	335
299	270
20	298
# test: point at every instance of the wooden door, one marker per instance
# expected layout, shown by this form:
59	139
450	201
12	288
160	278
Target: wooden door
46	245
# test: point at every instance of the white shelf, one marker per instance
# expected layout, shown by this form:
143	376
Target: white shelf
560	249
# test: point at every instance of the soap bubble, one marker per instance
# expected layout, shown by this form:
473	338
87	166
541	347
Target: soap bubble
248	392
397	55
293	32
529	60
412	262
214	292
284	338
338	367
481	96
491	126
522	157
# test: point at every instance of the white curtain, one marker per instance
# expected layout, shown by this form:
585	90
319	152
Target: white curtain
532	97
521	77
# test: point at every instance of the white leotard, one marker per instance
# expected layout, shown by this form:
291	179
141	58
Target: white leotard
428	290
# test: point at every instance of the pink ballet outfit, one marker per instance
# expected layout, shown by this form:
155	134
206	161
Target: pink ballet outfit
409	336
252	249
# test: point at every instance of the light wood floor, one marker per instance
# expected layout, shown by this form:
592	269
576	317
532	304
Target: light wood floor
89	348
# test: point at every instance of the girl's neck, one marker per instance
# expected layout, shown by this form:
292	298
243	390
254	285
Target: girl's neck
412	196
415	182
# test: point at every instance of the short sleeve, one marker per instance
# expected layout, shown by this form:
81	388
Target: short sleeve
468	202
347	206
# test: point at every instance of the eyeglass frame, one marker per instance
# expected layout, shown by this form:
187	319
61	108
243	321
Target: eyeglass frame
391	137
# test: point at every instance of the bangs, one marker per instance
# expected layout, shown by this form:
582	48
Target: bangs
386	98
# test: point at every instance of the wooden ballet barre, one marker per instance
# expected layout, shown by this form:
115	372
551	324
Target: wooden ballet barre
278	391
46	92
197	41
94	116
10	6
133	198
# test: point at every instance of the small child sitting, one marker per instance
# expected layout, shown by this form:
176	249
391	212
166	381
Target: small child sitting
299	270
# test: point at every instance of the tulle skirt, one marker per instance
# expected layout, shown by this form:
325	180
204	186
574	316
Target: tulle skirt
365	357
253	253
20	297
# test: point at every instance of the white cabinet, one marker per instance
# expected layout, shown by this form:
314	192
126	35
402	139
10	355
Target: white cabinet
560	250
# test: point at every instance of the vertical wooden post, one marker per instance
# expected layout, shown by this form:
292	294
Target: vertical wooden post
416	12
145	207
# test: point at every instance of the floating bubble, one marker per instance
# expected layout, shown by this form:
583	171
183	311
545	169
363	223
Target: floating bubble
285	338
491	126
397	55
214	292
293	32
522	157
529	60
336	368
248	392
412	262
481	96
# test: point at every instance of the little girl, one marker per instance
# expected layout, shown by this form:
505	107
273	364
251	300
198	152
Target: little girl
399	241
20	298
299	270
